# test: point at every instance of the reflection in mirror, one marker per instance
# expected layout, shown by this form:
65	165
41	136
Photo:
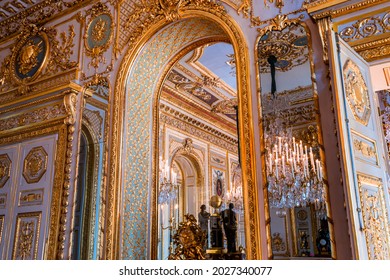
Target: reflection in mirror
199	170
294	172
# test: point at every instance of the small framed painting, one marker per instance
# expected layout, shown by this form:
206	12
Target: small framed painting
218	182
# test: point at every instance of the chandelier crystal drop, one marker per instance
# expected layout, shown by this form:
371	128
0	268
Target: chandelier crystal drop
168	184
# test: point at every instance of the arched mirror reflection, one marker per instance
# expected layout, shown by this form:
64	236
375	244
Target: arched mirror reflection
199	170
295	173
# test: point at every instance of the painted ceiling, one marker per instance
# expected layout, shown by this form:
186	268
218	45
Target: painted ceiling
201	80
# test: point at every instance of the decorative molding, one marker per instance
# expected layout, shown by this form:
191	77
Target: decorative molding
366	27
137	17
356	92
5	169
31	197
95	120
364	149
35	165
289	46
39	115
70	100
279	23
36	14
347	9
37	53
376	52
376	226
196	128
27	234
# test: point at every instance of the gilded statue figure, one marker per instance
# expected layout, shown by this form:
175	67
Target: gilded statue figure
189	240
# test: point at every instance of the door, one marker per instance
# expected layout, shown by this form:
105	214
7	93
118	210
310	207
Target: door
26	181
362	151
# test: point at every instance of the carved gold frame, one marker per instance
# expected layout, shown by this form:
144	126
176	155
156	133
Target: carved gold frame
252	234
278	24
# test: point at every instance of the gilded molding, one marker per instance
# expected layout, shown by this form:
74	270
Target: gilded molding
324	26
70	100
94	121
27	233
5	169
36	47
35	165
366	27
251	214
39	115
137	17
348	9
37	14
279	23
356	92
376	53
376	226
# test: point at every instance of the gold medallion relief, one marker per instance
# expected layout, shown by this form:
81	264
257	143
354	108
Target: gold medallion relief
356	92
35	165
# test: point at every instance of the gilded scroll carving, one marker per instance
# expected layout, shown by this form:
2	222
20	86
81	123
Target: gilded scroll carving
35	165
32	12
39	115
364	149
26	236
367	27
288	45
356	92
95	120
374	212
5	169
70	100
31	197
138	16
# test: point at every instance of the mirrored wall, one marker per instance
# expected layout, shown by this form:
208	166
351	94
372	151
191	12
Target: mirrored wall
295	172
199	170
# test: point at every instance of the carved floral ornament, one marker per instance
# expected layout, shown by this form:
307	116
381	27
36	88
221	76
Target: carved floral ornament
98	34
37	52
356	92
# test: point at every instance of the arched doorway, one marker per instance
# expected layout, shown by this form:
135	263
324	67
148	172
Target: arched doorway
134	146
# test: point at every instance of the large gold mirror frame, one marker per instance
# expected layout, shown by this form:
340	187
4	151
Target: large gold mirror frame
246	134
278	24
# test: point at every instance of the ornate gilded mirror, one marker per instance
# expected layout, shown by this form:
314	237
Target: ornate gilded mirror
199	171
294	170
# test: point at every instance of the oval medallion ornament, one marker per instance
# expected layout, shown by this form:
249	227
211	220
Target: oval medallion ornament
30	57
99	34
356	92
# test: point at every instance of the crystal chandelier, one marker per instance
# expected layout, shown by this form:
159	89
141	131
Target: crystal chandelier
294	174
168	184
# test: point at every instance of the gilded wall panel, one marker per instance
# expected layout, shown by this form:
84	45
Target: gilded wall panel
26	236
376	227
364	149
